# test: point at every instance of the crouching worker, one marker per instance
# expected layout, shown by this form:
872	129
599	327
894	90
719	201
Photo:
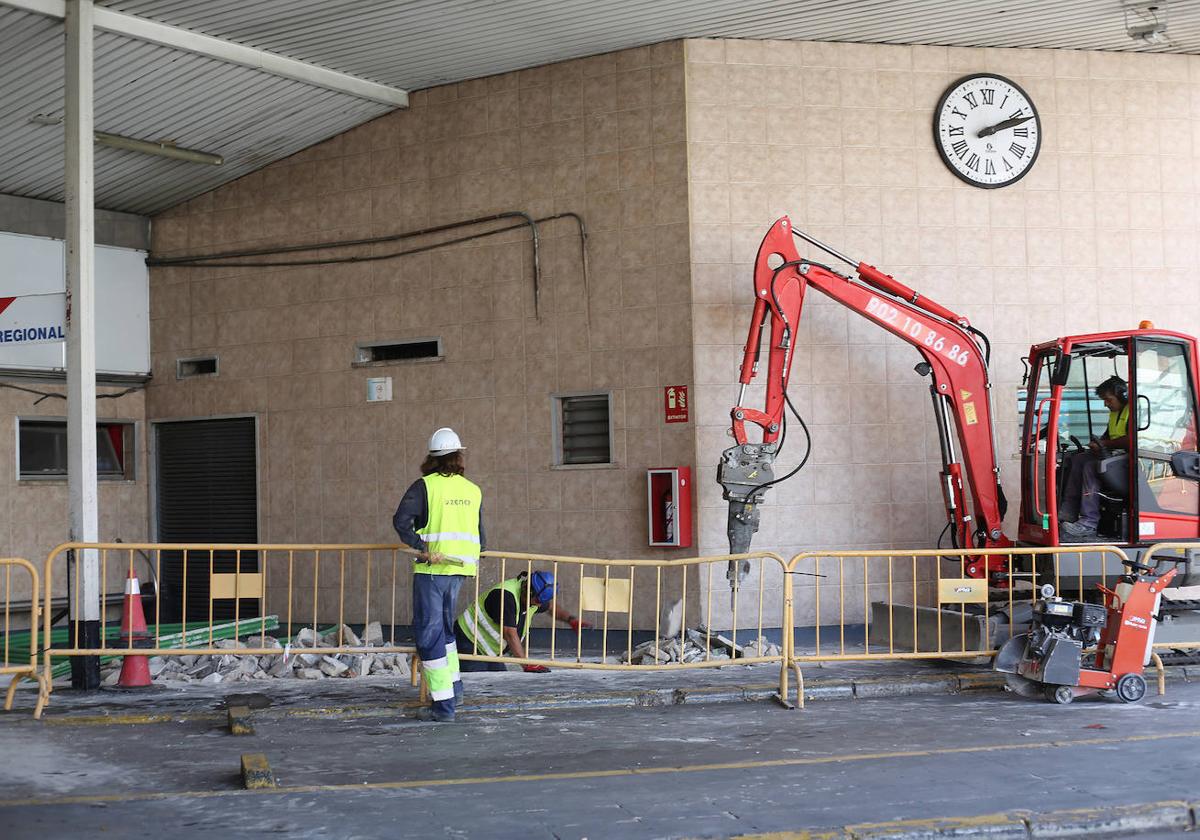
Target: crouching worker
441	516
499	621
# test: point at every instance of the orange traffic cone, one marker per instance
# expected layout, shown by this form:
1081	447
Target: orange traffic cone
135	670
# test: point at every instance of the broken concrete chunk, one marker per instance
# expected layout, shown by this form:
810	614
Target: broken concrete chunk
333	667
672	619
212	679
309	674
348	638
307	637
373	633
279	667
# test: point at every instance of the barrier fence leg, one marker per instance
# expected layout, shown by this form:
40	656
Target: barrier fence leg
782	696
43	695
12	691
799	685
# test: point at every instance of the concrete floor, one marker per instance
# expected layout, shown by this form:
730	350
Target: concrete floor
674	771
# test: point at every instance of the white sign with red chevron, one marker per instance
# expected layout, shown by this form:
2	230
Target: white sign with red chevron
32	319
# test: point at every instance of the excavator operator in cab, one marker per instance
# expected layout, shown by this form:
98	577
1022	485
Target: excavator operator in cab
1079	507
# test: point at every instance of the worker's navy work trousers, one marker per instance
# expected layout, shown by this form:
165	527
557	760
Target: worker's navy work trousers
1080	497
434	600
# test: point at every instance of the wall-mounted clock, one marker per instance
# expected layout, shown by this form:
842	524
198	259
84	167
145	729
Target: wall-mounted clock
987	130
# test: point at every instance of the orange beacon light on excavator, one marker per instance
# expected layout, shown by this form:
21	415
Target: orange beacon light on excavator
1140	469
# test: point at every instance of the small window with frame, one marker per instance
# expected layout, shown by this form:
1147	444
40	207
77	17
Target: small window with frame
42	449
583	429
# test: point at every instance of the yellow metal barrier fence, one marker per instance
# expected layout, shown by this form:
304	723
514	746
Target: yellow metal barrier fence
17	664
830	605
356	583
617	594
874	605
308	584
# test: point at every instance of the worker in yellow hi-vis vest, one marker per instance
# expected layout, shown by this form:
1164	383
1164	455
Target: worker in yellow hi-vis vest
441	516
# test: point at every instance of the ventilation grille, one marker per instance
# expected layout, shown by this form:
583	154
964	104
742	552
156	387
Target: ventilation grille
586	429
398	351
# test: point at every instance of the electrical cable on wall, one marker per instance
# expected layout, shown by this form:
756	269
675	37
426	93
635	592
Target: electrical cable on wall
222	259
45	395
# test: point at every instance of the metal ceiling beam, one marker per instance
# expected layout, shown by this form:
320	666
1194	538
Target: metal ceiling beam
174	37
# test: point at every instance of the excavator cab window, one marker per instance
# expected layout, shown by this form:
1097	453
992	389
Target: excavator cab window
1165	412
1081	417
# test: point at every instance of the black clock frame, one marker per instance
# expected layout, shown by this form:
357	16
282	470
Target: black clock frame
937	141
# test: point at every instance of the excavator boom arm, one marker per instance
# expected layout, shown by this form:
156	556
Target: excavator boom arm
951	357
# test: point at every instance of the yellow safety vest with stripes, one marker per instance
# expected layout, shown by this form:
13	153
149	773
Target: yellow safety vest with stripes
1118	423
453	525
481	629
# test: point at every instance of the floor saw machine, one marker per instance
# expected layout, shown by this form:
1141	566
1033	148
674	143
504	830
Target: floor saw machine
1049	660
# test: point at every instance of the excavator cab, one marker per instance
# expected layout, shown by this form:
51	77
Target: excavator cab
1147	491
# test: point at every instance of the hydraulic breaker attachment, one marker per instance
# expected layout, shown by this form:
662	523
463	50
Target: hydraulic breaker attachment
744	473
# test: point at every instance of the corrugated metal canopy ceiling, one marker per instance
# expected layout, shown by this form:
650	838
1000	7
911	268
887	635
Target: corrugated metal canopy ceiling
252	118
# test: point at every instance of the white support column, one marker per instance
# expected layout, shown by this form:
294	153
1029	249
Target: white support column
80	316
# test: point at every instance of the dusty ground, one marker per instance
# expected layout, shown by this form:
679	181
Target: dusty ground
350	765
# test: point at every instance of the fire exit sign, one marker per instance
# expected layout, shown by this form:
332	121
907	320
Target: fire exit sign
675	403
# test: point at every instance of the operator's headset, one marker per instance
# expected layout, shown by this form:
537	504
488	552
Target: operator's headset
1114	385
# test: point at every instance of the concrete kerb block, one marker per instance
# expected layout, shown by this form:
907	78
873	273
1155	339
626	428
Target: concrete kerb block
981	681
828	691
256	772
239	721
1114	821
906	687
992	826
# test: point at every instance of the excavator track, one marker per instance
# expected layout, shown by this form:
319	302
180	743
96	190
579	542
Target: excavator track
1179	656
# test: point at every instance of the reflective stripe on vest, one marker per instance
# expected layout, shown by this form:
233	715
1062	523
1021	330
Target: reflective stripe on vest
483	630
453	525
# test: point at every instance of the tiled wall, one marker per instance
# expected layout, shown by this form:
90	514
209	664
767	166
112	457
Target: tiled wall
1099	235
35	514
603	137
678	156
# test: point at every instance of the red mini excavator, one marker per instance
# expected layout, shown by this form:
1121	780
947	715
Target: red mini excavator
1148	493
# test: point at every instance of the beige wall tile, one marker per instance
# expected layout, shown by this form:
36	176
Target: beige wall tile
851	160
606	137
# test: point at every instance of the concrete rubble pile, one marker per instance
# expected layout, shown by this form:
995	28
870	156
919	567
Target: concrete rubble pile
693	647
292	662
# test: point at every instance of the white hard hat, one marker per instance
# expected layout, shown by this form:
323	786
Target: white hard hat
444	441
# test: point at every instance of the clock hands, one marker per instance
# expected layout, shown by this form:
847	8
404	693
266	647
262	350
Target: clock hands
1002	125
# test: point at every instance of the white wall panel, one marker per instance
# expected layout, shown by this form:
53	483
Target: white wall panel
35	266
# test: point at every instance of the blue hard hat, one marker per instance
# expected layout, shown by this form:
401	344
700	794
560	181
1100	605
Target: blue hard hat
541	587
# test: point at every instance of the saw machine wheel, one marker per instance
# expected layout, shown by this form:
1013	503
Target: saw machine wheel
1131	688
1060	694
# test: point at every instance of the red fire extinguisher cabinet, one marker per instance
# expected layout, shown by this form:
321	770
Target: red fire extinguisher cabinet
669	503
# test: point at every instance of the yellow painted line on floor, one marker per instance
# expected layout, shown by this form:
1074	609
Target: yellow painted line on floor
128	720
136	796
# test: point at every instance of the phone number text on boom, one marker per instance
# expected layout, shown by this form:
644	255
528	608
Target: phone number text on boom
884	311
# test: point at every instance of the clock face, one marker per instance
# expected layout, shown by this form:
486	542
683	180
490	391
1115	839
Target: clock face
987	130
